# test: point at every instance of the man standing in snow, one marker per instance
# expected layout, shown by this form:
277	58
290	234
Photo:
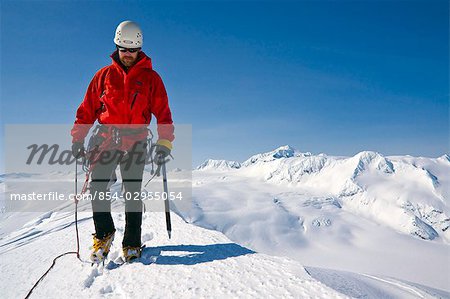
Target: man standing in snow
122	97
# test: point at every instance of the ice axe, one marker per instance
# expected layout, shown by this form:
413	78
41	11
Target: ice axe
162	168
166	200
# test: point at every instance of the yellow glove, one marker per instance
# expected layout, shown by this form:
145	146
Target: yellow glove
162	150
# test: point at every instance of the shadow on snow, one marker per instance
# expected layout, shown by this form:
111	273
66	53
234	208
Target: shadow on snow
191	254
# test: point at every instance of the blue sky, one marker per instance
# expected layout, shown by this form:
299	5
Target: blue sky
325	76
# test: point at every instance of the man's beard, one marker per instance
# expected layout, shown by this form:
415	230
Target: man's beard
128	61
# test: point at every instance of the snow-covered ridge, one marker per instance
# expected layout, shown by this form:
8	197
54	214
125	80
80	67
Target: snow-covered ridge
218	165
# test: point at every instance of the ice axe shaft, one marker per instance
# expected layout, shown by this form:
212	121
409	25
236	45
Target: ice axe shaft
166	200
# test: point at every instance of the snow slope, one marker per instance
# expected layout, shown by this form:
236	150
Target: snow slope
196	263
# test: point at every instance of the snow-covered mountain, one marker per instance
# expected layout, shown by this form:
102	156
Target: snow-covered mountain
280	224
406	193
367	213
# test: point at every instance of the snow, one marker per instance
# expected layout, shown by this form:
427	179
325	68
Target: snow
281	224
367	286
196	263
362	214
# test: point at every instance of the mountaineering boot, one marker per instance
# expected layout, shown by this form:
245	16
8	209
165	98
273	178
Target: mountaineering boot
130	253
101	247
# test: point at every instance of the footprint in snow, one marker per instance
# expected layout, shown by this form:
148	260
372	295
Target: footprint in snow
106	290
91	278
147	237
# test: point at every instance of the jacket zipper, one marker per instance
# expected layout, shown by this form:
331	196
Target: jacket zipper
102	105
134	99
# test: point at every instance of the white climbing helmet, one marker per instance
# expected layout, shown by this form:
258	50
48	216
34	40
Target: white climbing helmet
129	35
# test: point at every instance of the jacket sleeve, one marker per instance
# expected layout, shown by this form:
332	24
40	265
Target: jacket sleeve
86	112
160	108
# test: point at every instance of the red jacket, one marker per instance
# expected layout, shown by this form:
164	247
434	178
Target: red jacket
118	97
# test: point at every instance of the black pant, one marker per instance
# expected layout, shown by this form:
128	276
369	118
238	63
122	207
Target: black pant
131	167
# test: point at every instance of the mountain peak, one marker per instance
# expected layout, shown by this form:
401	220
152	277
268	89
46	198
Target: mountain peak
285	151
445	157
366	158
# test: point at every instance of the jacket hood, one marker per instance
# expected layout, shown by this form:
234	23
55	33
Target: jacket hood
143	61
